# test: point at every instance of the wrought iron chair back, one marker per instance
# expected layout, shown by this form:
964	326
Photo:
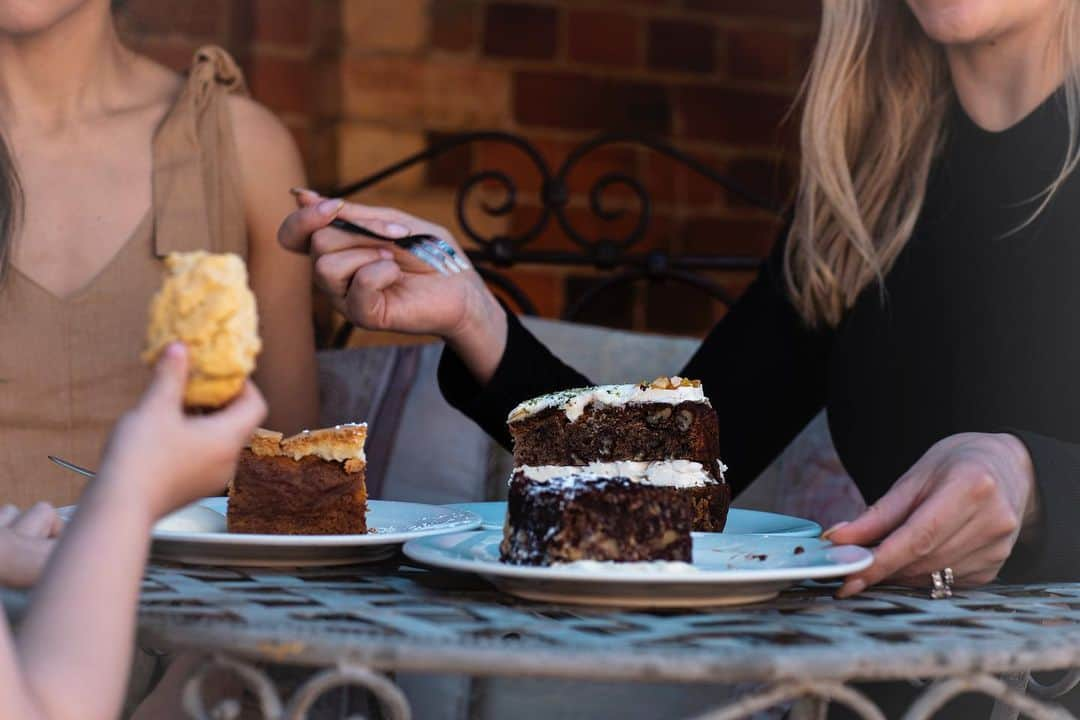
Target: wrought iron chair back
618	256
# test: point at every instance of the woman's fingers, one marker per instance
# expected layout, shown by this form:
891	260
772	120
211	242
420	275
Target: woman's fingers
366	300
37	522
334	271
305	197
296	231
8	513
936	520
882	517
166	390
24	558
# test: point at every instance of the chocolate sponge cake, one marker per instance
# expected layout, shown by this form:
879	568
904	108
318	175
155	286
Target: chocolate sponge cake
664	433
581	516
617	422
307	484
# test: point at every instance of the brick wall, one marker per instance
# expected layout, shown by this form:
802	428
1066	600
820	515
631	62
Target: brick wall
365	82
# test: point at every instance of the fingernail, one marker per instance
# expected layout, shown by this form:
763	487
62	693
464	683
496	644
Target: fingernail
825	535
396	231
386	255
330	207
853	587
301	191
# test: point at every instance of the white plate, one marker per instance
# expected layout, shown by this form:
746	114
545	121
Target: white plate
739	522
196	534
726	570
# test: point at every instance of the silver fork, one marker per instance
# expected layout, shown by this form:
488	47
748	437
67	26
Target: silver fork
434	251
72	466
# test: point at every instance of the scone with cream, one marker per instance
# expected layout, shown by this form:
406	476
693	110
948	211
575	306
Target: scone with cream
312	483
206	304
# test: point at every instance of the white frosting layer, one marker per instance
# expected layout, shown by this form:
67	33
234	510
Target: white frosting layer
664	473
574	402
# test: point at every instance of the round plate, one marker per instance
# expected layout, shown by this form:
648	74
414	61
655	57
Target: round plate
726	570
197	534
739	522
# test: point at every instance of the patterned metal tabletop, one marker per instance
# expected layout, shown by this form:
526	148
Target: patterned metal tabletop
390	617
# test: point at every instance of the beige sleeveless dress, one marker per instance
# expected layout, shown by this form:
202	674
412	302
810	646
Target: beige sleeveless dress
69	367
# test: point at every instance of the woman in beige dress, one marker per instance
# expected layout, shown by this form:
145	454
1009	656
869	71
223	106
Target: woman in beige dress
110	162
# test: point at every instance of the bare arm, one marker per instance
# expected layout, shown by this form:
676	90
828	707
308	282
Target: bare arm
270	165
74	648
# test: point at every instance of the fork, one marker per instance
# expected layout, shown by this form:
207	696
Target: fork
432	250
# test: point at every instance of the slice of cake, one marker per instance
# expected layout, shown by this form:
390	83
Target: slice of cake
575	515
308	484
664	434
205	302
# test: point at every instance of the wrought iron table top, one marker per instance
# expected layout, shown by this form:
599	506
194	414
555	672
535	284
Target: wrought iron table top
390	617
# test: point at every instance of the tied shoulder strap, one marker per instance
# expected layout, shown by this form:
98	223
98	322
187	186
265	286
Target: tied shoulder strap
198	198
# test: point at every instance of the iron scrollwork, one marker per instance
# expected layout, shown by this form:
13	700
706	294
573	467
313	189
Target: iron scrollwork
616	255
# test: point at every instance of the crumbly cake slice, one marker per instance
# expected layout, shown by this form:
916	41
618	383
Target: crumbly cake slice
582	516
205	302
312	483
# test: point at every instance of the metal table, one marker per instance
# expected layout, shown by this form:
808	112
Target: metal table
357	623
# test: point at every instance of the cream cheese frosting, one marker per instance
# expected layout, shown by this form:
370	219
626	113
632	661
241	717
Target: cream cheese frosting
664	390
662	473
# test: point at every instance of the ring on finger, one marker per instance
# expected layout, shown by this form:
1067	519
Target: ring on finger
941	584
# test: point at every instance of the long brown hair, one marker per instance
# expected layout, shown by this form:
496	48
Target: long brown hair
875	102
11	204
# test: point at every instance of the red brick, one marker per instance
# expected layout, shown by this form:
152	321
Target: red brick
205	18
451	168
737	117
800	10
603	38
454	24
542	286
176	55
702	191
521	31
282	84
514	162
593	229
761	55
586	172
770	180
681	46
723	236
282	22
582	102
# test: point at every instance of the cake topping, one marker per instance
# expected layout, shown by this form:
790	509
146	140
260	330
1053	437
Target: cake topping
665	390
661	473
341	443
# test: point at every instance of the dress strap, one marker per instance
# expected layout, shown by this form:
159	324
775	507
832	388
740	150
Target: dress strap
198	198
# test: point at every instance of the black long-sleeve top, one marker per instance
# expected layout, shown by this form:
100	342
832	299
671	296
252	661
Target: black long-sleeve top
977	329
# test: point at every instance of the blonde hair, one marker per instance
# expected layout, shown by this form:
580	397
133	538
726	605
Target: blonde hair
874	108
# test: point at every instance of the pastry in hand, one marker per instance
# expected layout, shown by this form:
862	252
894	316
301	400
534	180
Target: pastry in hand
206	304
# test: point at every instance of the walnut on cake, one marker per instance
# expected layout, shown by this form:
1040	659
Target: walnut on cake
312	483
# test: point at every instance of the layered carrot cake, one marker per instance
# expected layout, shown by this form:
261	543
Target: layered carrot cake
662	433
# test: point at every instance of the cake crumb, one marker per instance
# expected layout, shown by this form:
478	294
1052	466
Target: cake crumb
799	549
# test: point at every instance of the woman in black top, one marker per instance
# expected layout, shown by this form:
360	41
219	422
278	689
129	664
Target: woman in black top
924	294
